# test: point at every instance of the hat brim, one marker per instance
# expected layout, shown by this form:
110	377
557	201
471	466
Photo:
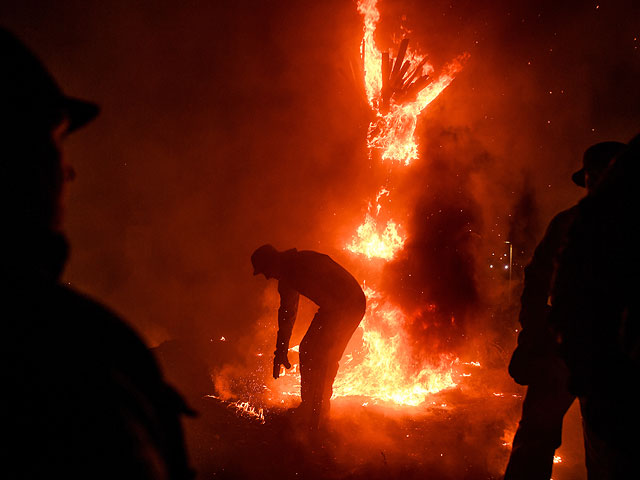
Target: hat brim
578	178
79	112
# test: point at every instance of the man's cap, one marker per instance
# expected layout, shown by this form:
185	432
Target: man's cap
27	89
262	258
596	158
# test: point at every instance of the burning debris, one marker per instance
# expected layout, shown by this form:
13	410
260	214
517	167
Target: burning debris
244	409
397	90
397	85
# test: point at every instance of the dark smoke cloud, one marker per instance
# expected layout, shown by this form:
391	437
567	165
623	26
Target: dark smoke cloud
525	218
436	275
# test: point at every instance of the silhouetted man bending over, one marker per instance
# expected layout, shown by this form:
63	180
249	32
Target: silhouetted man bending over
342	305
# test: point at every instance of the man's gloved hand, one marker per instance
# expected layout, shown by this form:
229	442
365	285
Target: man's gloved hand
280	358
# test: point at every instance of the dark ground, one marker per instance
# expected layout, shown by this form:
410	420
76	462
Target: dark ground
360	443
463	433
364	443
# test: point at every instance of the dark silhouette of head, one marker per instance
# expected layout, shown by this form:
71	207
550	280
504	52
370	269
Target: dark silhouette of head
266	261
35	116
595	161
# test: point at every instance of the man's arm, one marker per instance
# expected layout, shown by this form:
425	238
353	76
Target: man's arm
286	318
540	272
535	339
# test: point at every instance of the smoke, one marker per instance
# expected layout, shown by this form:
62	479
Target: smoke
525	218
436	275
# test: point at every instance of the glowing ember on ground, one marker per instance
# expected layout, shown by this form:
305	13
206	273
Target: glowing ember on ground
243	408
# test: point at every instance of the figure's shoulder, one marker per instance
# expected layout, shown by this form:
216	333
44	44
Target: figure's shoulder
567	215
84	318
562	221
312	255
77	306
76	302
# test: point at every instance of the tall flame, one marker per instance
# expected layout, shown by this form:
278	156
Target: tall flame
397	92
386	372
383	369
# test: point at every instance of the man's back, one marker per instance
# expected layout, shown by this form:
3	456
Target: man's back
319	278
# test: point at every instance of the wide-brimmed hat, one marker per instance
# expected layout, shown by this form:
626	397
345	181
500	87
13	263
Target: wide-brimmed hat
263	259
28	90
596	158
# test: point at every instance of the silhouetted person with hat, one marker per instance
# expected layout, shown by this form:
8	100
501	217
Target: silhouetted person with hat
341	305
82	395
536	362
596	321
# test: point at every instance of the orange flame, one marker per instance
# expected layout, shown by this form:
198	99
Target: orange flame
377	245
383	373
371	54
393	132
374	242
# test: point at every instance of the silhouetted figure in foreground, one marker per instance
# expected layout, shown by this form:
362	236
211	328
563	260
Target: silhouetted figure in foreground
595	314
82	395
342	306
536	361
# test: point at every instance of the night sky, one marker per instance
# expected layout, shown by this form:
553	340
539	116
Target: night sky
226	125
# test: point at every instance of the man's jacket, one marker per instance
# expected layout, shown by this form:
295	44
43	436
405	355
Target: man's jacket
321	280
83	397
536	345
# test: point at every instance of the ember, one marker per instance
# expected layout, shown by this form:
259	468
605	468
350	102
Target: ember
243	408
